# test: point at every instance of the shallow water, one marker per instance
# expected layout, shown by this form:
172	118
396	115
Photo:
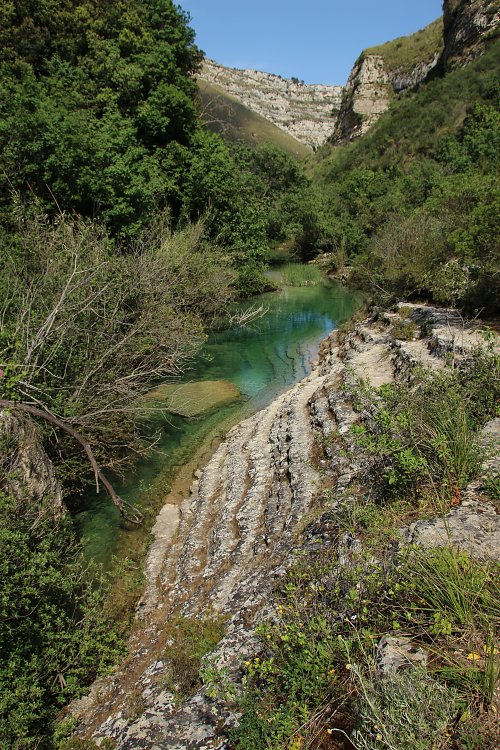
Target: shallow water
261	360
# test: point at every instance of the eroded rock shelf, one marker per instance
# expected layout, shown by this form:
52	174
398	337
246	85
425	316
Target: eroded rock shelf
226	547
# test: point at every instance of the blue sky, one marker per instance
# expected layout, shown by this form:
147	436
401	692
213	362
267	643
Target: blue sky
316	40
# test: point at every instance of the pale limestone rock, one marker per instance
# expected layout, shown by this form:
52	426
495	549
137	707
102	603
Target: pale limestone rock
473	526
305	111
399	652
366	96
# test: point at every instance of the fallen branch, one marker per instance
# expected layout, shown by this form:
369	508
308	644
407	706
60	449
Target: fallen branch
129	512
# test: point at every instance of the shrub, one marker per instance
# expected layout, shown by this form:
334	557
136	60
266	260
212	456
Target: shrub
423	439
55	638
405	711
189	640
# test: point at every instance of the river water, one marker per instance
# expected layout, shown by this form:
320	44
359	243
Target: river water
261	360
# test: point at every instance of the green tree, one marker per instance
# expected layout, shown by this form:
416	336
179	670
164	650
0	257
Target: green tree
54	636
93	97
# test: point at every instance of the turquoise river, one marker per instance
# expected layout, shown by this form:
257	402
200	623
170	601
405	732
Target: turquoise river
261	360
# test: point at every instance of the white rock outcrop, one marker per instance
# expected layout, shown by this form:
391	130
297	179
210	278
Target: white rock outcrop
305	111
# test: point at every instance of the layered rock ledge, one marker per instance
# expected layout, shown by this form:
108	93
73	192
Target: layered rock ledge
226	547
305	111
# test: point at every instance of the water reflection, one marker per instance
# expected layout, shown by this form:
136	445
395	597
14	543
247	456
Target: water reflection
261	359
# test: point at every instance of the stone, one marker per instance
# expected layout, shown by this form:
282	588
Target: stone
474	527
394	653
366	96
469	24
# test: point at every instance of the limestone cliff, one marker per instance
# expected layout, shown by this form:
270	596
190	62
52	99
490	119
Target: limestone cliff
305	111
389	69
468	25
382	72
366	96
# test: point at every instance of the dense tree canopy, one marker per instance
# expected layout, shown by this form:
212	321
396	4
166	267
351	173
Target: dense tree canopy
97	105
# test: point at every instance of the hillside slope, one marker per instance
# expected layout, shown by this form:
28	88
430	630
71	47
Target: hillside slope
412	203
307	112
226	115
383	71
464	33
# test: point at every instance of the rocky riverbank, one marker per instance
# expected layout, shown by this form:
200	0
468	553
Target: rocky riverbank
265	494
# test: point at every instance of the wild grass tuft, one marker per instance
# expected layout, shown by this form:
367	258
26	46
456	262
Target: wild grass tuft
189	641
295	274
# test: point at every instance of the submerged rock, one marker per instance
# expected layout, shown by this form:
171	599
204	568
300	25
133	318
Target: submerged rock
192	399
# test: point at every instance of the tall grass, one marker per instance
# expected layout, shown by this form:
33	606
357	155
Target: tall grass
463	591
295	274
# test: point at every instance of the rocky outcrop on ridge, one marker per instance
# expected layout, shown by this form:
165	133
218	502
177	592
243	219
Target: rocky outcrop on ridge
305	111
468	24
381	73
253	506
367	95
376	78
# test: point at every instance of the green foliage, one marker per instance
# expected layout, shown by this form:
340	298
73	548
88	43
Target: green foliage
416	196
293	677
189	641
54	637
96	327
404	330
314	675
98	118
407	710
300	275
97	99
423	441
452	591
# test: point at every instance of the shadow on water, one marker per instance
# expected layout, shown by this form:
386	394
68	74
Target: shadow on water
262	360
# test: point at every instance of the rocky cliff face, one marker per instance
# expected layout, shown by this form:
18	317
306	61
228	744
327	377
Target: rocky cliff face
468	24
381	73
366	96
306	112
27	473
227	546
387	70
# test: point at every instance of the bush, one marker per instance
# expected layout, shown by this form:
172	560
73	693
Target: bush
189	641
55	638
423	440
404	711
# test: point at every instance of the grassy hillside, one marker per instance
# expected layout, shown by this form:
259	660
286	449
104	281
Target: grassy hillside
405	52
417	122
227	116
411	204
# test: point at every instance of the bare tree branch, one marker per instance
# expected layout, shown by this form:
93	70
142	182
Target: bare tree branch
129	512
